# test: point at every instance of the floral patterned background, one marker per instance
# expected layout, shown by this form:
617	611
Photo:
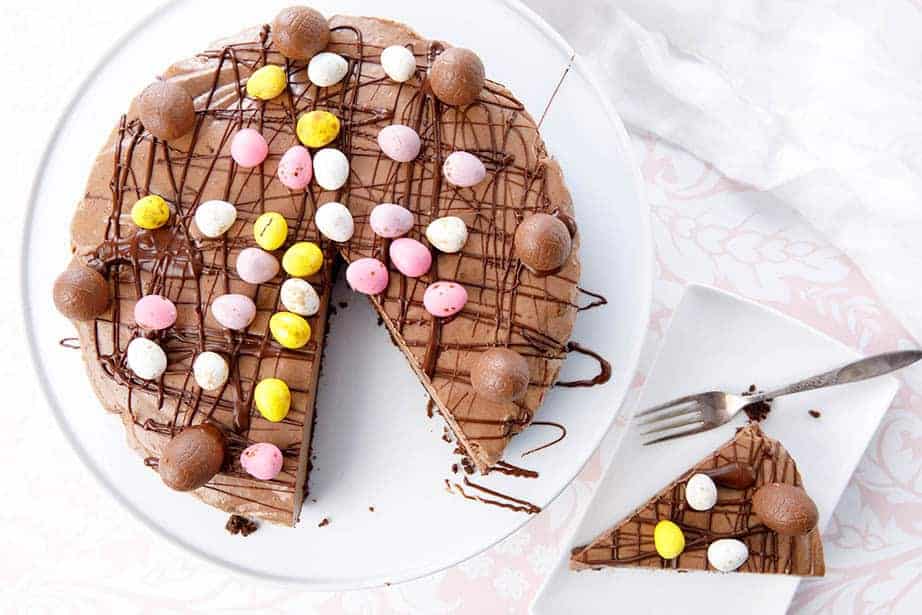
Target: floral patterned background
66	546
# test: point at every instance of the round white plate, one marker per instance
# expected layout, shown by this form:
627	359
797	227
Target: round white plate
373	446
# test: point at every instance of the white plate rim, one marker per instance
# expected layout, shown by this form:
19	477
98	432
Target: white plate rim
645	276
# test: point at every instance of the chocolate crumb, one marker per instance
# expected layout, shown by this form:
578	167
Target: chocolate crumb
343	304
454	468
759	410
752	389
240	525
468	465
816	414
371	509
446	435
380	321
333	310
324	522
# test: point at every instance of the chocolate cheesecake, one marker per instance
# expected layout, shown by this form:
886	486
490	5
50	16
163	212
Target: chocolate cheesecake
742	508
190	139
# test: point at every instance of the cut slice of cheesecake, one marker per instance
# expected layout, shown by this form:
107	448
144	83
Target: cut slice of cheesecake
739	469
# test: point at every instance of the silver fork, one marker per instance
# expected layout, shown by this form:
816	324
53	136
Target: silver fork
709	410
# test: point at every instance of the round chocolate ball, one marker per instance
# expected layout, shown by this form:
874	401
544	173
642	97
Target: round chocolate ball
457	76
500	375
166	110
786	509
543	243
192	457
300	32
81	293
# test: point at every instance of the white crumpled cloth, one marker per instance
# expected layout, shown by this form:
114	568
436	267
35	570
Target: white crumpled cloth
818	102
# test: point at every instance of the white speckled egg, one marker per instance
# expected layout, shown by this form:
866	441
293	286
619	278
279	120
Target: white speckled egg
299	297
214	218
331	168
727	554
701	492
326	69
448	234
334	221
398	63
146	358
210	371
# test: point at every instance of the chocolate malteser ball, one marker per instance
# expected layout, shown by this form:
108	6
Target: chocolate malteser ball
543	243
81	293
192	457
785	509
166	110
457	76
300	32
500	375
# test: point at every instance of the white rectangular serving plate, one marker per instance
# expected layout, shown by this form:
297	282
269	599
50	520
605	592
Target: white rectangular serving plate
717	341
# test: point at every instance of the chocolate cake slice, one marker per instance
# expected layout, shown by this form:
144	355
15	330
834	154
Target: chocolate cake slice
761	520
520	279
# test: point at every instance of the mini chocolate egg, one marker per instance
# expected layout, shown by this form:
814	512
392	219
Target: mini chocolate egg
210	371
273	399
214	218
457	76
785	509
295	168
317	128
249	148
81	293
399	142
390	220
500	375
463	169
300	32
303	259
145	358
443	299
398	63
727	554
233	311
331	168
154	312
410	257
367	275
668	539
262	460
192	457
150	212
701	492
267	82
270	230
448	234
256	266
543	243
334	221
299	297
326	69
735	475
166	110
290	330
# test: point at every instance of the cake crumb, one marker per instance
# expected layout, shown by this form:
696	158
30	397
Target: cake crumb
816	414
240	525
759	410
454	468
324	522
468	465
343	304
371	509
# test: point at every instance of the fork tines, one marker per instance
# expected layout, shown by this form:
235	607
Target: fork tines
688	407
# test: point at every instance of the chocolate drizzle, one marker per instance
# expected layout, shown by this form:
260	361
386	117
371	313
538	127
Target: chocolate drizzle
604	368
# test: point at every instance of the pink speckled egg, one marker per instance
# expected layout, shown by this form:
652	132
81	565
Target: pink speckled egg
154	312
367	275
399	142
256	266
444	298
463	169
390	220
410	257
262	460
295	168
233	311
249	148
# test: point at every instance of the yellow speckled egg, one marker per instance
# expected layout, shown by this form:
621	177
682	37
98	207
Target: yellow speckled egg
270	230
273	399
150	212
267	82
302	259
668	539
317	128
289	330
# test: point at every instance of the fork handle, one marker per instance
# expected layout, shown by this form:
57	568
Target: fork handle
869	367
